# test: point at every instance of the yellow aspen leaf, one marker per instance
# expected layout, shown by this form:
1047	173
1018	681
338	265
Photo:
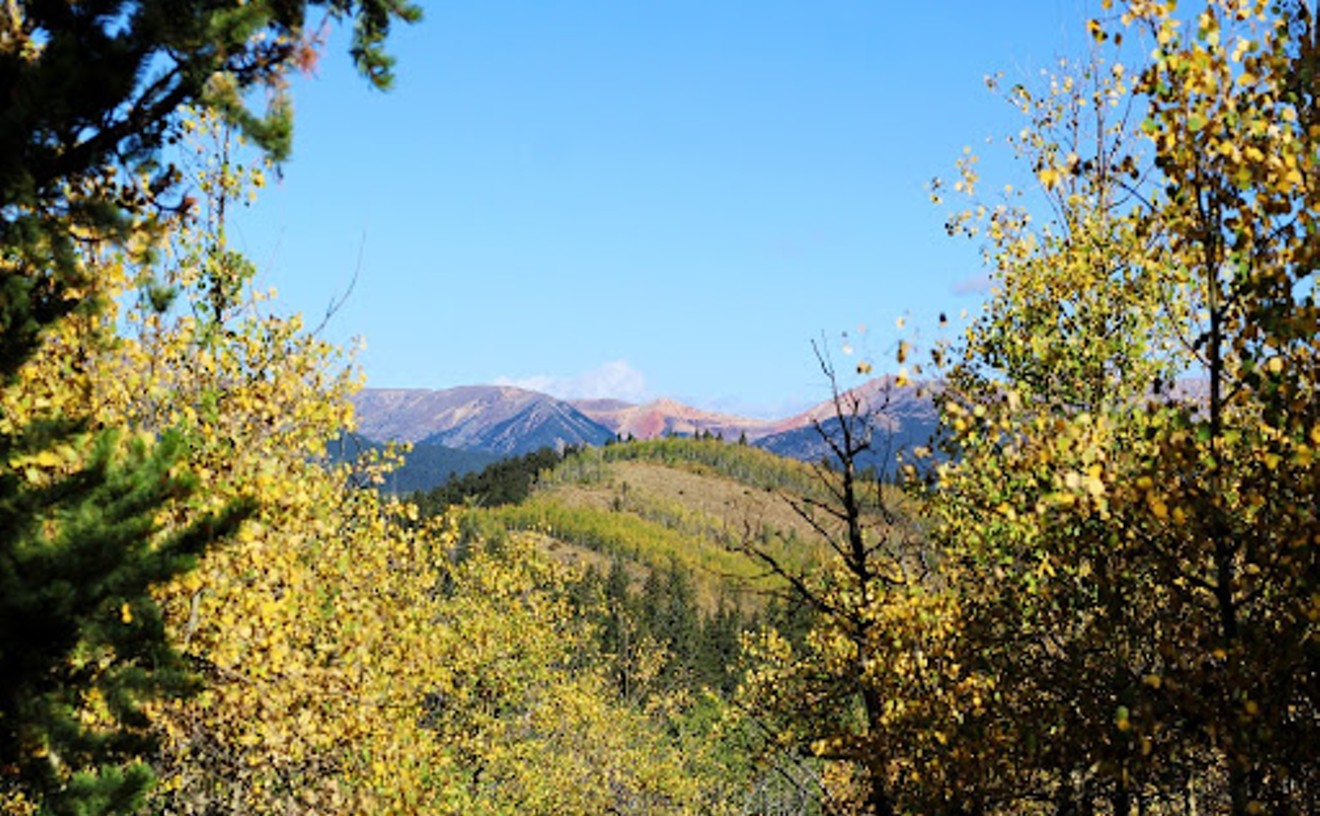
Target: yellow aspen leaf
1046	568
1094	486
1159	509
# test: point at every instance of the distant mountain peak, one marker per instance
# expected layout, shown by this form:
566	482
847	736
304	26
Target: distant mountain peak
667	416
494	418
508	420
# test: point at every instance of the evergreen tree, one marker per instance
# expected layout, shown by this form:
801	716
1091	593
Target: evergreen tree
716	661
615	631
77	558
507	481
680	619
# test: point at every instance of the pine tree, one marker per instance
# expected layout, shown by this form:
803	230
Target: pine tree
77	558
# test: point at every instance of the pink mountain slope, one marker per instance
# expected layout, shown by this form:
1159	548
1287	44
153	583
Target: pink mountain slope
882	396
665	416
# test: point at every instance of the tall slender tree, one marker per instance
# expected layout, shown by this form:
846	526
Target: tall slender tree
1132	491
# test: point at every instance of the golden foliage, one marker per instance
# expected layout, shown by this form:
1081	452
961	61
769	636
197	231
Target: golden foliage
347	664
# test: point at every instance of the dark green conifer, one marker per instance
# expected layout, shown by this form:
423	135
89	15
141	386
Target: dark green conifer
77	561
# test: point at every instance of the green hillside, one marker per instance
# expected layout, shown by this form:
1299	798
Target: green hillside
693	503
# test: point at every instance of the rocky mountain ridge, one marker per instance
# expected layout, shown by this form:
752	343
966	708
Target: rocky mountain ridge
511	421
495	419
666	417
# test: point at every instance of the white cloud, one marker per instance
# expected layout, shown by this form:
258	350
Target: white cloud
978	283
613	380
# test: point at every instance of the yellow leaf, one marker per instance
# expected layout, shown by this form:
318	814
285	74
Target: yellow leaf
1046	568
46	458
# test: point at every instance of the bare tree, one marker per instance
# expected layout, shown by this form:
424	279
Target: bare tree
871	555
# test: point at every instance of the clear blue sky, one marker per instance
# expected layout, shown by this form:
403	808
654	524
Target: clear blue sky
647	198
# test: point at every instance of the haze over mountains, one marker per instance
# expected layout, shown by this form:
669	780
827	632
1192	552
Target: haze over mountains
509	421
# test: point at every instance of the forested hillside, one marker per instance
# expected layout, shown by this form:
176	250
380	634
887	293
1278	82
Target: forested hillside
674	503
655	532
1093	592
423	465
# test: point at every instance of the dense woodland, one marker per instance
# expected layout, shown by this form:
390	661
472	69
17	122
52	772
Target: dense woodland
1094	592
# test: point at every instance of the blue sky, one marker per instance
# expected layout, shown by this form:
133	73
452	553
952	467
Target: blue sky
644	198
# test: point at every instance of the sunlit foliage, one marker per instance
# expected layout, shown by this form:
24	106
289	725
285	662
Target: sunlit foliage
1130	508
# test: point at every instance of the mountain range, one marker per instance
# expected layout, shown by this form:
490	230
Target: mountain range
506	421
492	418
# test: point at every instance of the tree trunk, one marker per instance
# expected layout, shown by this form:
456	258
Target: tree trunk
878	802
